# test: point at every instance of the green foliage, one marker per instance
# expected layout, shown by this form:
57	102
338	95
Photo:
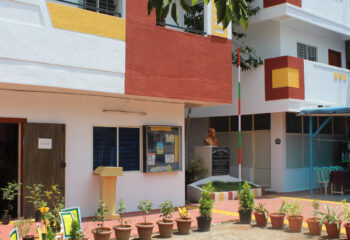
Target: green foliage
9	193
166	210
316	206
206	201
330	216
50	235
227	10
246	198
294	209
24	227
194	19
146	207
346	212
55	200
75	233
36	195
121	210
101	212
284	208
261	209
196	170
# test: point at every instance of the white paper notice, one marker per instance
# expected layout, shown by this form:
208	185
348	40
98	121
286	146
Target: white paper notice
151	159
169	158
44	143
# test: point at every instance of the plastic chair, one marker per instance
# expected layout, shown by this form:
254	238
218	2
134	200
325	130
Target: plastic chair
338	168
332	168
320	177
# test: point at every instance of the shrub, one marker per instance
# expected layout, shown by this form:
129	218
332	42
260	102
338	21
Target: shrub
9	194
294	209
75	233
121	211
166	210
101	212
183	213
206	201
246	198
261	209
146	207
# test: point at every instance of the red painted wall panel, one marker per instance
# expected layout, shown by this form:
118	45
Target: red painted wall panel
170	64
270	3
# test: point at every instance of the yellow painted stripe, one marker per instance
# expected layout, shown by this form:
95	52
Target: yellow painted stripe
221	196
304	199
84	21
255	192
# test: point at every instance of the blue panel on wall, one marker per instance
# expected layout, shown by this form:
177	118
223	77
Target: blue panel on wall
105	147
129	149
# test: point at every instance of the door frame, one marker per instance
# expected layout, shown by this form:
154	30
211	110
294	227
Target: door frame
20	122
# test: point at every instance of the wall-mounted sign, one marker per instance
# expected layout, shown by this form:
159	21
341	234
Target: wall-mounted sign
220	161
217	29
162	148
44	143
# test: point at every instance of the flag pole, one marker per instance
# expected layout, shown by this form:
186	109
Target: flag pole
239	123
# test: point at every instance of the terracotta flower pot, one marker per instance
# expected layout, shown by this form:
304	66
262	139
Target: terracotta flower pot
5	219
260	219
183	225
105	234
28	237
122	232
165	228
145	230
314	226
332	229
277	220
295	223
347	229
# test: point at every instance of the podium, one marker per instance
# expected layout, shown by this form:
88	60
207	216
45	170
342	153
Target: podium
215	159
108	188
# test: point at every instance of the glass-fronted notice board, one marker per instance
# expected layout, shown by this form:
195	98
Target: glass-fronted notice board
162	149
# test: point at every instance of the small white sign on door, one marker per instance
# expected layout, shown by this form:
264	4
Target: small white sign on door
44	143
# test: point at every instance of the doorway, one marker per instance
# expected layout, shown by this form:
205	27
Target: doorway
334	58
9	160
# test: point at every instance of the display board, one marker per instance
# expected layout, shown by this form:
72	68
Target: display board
162	149
220	161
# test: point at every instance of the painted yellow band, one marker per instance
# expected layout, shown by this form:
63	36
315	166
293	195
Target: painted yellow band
84	21
285	77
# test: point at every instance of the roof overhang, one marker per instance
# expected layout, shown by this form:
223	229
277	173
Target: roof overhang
326	111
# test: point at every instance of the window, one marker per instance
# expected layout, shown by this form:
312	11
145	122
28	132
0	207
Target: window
306	52
109	7
328	128
339	125
111	151
293	123
220	124
247	121
234	123
262	121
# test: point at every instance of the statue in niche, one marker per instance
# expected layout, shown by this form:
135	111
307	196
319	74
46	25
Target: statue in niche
211	140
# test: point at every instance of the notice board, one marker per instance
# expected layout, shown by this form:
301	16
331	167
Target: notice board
162	148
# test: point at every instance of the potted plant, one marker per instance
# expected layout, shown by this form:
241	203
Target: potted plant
294	217
9	194
332	221
346	214
36	197
246	204
24	228
277	218
313	223
206	203
55	199
123	230
101	233
166	225
261	215
145	228
183	222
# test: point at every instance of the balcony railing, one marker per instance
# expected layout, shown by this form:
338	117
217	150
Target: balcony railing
100	6
185	29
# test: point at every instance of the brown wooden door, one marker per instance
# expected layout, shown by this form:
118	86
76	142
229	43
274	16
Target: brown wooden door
334	58
42	163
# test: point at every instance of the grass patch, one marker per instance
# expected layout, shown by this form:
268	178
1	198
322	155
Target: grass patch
220	186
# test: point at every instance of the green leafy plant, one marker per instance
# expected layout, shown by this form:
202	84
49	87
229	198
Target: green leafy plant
346	210
145	206
36	196
55	200
24	227
50	235
75	233
283	209
261	209
196	170
121	210
194	20
101	212
9	193
316	206
330	216
183	213
206	201
294	209
166	210
246	198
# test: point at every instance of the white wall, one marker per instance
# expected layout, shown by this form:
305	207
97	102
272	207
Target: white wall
293	31
32	52
80	114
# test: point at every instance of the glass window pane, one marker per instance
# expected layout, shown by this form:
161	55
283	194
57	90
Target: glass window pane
104	147
262	121
129	149
339	125
328	128
220	124
301	50
306	124
234	123
247	121
293	123
312	53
